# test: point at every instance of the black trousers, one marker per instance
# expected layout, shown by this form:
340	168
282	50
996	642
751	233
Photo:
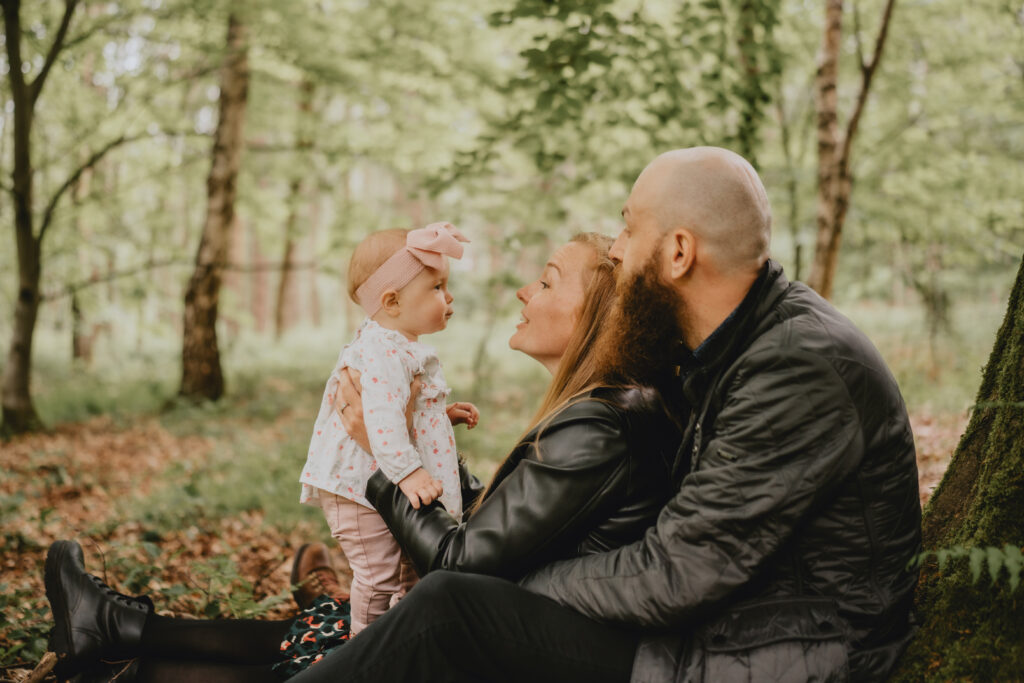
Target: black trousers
467	627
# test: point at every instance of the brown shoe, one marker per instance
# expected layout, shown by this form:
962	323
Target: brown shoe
313	575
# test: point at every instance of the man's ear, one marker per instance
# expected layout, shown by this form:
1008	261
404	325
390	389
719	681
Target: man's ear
389	303
682	248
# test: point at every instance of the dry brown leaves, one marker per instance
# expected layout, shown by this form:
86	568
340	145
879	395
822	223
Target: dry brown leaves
73	482
935	436
72	478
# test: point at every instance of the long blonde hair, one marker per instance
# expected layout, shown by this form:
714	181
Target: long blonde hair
579	370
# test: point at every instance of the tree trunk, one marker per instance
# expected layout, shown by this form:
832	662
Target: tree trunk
201	375
975	630
79	344
757	60
314	291
19	414
835	181
792	180
826	85
285	315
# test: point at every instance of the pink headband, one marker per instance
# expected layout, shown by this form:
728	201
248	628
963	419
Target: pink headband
424	248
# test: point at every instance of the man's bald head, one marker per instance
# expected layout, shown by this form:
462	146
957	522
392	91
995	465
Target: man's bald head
714	193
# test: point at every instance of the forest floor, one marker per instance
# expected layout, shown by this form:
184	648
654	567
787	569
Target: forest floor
141	497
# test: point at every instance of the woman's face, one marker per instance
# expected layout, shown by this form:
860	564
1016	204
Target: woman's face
551	305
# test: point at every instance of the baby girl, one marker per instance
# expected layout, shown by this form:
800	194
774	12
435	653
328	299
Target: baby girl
400	278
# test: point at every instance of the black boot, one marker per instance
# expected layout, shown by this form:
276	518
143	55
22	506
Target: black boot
91	620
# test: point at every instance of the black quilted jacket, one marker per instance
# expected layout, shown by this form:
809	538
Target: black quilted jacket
782	554
594	480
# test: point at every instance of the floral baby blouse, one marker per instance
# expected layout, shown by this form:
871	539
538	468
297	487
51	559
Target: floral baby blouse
387	362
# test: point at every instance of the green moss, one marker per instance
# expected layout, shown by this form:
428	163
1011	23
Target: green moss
968	631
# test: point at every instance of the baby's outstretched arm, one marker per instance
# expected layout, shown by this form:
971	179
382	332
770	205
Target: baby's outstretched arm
462	412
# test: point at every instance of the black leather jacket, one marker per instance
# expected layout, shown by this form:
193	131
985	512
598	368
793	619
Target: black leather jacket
593	480
782	555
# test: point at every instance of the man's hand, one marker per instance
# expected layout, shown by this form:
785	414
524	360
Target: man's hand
462	412
420	488
349	405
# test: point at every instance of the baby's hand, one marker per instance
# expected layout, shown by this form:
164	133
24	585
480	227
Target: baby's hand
420	488
463	413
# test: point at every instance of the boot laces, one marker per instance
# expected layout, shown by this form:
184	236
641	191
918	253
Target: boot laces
325	580
141	602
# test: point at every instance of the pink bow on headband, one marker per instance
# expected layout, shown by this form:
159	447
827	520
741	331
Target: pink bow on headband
424	248
432	243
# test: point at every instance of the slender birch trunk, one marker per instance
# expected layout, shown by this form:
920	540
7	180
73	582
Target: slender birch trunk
835	180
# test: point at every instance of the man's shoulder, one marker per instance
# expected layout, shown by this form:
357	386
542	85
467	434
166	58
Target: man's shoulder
802	322
805	338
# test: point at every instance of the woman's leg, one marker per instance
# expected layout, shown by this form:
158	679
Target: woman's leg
228	641
373	554
467	627
174	671
92	622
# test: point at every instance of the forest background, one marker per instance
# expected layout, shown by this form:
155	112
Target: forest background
199	171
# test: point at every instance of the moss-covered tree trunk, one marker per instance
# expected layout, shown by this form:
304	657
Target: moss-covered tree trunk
975	630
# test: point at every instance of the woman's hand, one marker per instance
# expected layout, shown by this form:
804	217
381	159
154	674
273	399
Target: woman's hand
420	488
349	405
462	412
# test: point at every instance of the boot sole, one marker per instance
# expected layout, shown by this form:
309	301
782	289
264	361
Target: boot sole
60	636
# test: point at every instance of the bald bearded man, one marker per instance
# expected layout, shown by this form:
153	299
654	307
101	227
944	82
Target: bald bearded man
782	556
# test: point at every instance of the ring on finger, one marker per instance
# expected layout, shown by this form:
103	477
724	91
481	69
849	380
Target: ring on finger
341	409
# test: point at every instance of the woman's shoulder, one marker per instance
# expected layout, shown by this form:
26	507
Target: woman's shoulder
613	403
583	433
630	397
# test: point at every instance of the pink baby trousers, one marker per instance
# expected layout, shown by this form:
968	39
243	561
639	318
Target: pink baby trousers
381	573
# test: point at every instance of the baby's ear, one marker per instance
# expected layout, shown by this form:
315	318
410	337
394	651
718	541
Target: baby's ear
389	303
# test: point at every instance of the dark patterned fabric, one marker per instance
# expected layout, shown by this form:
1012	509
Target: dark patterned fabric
317	629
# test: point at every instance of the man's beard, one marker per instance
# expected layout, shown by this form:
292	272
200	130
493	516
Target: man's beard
640	341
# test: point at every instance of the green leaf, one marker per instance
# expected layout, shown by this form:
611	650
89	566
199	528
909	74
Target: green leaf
996	559
976	558
1014	563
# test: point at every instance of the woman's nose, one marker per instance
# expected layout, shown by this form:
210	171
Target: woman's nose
522	295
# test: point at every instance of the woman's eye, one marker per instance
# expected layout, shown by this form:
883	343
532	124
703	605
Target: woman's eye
544	285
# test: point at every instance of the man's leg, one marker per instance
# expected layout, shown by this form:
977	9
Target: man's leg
467	627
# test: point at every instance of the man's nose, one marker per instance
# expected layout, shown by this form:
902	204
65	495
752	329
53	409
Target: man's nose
618	248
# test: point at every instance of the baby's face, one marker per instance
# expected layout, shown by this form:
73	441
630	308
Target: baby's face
425	303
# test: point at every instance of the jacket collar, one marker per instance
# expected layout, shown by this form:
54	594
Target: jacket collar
733	336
